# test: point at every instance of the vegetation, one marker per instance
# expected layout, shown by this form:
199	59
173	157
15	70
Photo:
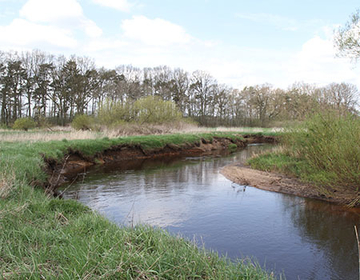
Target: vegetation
82	122
146	110
26	159
347	38
44	237
325	150
24	124
42	86
232	147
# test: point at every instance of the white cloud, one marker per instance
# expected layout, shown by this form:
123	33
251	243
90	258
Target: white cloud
25	34
316	63
121	5
90	28
60	13
154	32
51	11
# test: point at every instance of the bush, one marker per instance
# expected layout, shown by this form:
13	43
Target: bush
114	113
24	124
153	109
147	110
82	122
330	145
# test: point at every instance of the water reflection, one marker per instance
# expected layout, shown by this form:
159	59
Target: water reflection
303	238
329	228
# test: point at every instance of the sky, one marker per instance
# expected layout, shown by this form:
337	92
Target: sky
239	42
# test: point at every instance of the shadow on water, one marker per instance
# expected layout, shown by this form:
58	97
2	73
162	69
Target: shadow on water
306	239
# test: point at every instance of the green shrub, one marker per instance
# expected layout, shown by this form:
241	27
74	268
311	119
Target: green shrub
153	109
24	124
147	110
330	144
82	122
114	113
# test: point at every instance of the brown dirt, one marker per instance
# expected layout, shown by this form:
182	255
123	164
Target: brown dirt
280	183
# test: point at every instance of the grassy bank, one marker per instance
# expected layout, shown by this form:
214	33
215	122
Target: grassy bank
324	150
43	237
26	160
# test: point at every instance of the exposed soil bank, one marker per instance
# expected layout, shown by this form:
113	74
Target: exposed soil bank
75	163
283	184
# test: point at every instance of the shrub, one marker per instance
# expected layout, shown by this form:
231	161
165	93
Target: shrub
113	113
24	124
82	122
330	144
147	110
153	109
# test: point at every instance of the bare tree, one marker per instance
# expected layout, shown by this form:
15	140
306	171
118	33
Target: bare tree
347	38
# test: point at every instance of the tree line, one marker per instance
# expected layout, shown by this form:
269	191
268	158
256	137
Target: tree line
43	86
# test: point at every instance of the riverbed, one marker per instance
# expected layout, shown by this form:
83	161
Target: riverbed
301	238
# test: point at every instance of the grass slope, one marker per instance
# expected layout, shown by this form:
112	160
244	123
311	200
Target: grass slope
47	238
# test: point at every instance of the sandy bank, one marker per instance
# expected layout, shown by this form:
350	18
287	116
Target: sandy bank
279	183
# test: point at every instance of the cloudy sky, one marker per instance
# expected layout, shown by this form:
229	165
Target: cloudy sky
239	42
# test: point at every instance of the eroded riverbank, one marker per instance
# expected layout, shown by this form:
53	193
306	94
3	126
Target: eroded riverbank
75	162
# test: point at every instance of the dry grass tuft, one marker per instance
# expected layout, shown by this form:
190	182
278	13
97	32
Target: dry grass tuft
7	182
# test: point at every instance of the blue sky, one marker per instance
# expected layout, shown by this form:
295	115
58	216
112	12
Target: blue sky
239	42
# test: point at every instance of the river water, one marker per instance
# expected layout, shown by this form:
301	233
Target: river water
301	238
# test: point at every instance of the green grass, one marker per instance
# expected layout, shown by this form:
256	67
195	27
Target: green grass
27	158
277	162
324	150
46	238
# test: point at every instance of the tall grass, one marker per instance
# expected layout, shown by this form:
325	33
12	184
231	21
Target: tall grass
330	145
324	149
45	238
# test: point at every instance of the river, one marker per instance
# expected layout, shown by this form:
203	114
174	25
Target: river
301	238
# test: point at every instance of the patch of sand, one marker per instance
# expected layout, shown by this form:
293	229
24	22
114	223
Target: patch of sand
283	184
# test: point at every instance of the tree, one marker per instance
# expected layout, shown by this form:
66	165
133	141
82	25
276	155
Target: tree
341	97
347	38
2	92
12	90
41	93
202	92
